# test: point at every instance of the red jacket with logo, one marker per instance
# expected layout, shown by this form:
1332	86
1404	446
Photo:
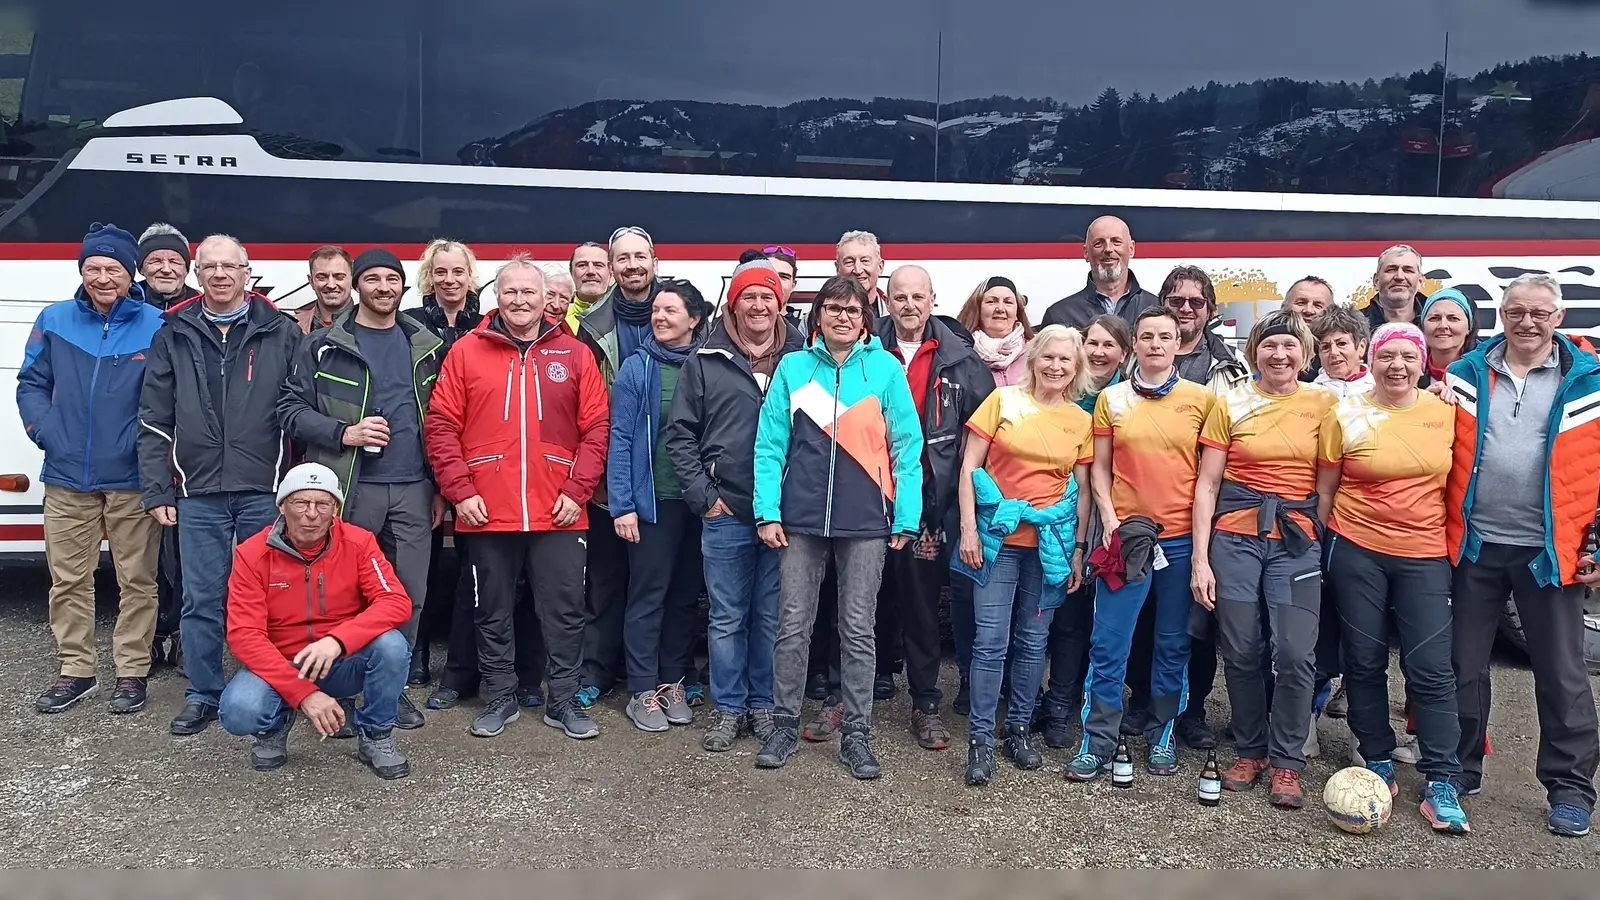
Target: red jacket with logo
518	429
279	602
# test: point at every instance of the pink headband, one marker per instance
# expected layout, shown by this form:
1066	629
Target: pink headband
1396	331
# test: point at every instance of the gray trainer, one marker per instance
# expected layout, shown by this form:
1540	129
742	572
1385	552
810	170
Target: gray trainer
378	751
646	712
723	732
676	704
762	724
271	750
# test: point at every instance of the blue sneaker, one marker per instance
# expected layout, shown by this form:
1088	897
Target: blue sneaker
1442	808
1384	768
1086	767
1163	760
588	695
694	694
1567	820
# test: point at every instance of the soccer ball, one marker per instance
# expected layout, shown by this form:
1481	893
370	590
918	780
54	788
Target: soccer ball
1358	799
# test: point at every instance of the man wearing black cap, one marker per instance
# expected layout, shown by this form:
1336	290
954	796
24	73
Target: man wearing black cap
164	266
355	398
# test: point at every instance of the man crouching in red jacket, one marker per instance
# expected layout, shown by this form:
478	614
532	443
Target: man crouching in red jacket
313	608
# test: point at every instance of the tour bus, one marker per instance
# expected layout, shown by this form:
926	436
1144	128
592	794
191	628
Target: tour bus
973	139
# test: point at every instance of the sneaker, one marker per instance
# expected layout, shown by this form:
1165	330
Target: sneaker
762	724
1086	767
817	687
883	688
929	729
193	718
1018	747
645	711
695	694
1338	705
1162	759
828	723
1058	728
1134	722
980	762
1286	791
1406	752
1567	820
856	753
1243	774
496	715
1442	809
572	720
675	700
1313	747
66	691
348	729
128	696
776	750
963	702
408	717
1384	769
378	751
271	749
1195	733
588	696
723	732
446	698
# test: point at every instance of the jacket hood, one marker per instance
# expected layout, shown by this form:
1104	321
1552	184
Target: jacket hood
819	348
1572	362
953	346
720	339
262	311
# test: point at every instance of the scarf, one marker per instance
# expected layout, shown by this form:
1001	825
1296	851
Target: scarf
634	312
763	360
223	320
664	355
1153	391
999	353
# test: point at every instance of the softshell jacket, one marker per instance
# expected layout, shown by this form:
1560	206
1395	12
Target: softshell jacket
597	328
1079	309
711	435
150	295
78	391
958	382
518	427
279	602
1571	467
998	516
329	388
838	447
192	443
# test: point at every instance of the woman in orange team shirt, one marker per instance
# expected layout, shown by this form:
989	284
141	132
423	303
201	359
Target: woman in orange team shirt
1384	456
1258	476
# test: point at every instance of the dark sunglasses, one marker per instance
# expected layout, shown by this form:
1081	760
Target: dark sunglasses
1181	302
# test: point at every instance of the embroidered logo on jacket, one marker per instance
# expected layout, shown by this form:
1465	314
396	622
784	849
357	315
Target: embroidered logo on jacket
556	372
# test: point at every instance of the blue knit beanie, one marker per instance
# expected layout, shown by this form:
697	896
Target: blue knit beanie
112	242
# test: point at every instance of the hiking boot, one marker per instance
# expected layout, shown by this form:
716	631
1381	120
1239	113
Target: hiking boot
66	691
776	750
883	688
1243	774
1338	705
496	715
723	732
444	697
827	724
408	717
980	762
1162	759
193	718
762	724
1058	728
1567	820
1442	808
1384	769
1018	747
348	729
573	721
1134	722
817	687
378	751
645	711
271	749
675	703
419	669
963	702
695	695
1195	733
128	696
1286	791
929	729
856	754
1086	767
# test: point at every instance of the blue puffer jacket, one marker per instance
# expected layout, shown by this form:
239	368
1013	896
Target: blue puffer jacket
999	516
78	391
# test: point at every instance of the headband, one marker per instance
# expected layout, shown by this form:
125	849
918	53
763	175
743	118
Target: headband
1454	296
1000	281
1279	328
1396	331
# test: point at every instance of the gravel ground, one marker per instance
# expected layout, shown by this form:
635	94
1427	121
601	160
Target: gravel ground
88	789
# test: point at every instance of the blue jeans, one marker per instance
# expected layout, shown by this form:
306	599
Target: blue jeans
1016	599
376	671
742	589
209	527
1116	612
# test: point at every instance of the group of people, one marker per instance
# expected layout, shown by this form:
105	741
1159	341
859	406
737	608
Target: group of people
1116	497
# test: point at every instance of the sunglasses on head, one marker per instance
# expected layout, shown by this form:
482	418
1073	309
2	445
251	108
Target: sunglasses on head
1181	302
781	250
632	229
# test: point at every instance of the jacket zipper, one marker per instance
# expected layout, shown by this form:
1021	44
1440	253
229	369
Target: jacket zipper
833	450
322	592
522	425
250	365
311	607
94	378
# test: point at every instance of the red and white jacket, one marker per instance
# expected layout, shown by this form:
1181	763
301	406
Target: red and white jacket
518	429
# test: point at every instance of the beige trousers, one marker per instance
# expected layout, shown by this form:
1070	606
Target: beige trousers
74	523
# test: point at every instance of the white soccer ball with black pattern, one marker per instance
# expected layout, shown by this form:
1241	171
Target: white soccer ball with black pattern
1357	799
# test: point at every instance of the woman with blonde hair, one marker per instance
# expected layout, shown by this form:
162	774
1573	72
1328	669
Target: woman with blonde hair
997	316
1024	500
449	284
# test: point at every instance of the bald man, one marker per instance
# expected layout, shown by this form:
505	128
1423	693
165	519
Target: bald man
1108	249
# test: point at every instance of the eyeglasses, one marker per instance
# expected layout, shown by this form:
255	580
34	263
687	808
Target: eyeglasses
226	268
1181	302
632	229
306	506
1518	314
97	272
785	251
853	313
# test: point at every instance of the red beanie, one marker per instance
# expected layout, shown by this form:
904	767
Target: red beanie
755	273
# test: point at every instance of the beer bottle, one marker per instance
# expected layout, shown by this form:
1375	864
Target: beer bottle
1210	781
1122	765
373	449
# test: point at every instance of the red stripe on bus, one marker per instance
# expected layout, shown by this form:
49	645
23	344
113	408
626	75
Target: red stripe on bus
941	250
22	532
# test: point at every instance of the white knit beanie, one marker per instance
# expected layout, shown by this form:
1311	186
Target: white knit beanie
310	477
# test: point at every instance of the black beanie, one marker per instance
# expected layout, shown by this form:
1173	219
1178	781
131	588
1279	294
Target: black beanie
163	242
377	258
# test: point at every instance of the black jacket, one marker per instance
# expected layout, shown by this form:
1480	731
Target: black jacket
959	382
192	442
162	301
431	315
1080	309
711	434
1375	317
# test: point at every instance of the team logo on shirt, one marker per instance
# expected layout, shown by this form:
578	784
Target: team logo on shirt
556	372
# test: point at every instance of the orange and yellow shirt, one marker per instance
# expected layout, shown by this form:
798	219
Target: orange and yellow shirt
1032	450
1271	442
1155	447
1391	487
